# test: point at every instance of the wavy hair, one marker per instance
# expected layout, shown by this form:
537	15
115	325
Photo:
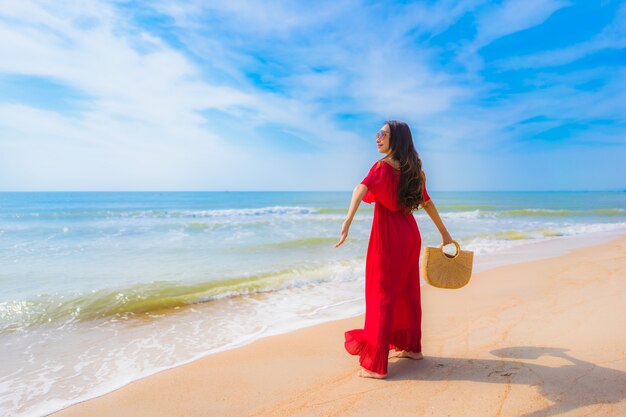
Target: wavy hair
410	195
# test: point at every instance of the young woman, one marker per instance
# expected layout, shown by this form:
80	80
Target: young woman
393	312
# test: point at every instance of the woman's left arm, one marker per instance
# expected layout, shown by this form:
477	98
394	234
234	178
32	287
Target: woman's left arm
430	208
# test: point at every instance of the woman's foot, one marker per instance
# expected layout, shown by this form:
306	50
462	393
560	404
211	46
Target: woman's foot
407	354
369	374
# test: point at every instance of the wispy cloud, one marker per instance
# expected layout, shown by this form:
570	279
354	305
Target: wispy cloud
512	16
499	20
613	36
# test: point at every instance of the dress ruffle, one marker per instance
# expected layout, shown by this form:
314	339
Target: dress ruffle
371	357
376	357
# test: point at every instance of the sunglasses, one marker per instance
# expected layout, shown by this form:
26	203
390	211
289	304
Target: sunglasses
381	134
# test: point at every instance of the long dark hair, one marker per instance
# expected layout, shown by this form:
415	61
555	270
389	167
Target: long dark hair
410	195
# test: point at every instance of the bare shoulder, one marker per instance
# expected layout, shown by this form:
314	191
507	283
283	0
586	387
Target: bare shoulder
394	164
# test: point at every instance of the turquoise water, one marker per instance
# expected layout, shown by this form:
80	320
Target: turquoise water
98	289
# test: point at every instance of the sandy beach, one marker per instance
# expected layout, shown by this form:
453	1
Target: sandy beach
537	338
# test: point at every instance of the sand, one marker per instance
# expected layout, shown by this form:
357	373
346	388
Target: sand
539	338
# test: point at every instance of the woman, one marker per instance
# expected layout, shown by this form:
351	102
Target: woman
393	312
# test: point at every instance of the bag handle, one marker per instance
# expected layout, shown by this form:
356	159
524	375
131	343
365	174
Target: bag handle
458	249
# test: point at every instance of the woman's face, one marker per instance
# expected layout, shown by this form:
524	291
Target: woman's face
382	139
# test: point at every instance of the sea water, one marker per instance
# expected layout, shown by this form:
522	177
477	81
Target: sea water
100	289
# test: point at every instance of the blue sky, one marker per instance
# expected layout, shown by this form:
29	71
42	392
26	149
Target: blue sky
263	95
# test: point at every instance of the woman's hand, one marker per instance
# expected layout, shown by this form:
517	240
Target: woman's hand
445	236
344	232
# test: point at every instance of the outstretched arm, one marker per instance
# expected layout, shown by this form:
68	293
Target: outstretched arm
357	196
430	208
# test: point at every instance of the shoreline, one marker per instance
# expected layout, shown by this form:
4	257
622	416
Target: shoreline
228	360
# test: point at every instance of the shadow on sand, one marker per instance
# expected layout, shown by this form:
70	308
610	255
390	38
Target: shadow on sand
569	386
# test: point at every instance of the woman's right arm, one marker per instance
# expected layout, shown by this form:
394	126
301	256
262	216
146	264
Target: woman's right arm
357	195
430	208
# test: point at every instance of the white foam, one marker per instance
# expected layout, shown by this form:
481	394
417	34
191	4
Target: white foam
474	214
524	251
487	245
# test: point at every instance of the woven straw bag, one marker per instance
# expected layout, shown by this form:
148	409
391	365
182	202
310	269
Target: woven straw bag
442	270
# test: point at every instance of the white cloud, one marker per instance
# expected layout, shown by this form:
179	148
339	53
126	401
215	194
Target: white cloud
513	16
368	64
500	20
159	86
613	36
255	17
142	124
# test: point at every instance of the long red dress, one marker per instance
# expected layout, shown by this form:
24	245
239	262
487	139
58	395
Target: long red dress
393	311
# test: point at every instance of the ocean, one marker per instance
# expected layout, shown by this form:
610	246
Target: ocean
98	289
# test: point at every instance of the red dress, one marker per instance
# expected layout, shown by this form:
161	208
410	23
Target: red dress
393	311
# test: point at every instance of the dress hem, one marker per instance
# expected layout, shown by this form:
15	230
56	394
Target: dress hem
375	357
